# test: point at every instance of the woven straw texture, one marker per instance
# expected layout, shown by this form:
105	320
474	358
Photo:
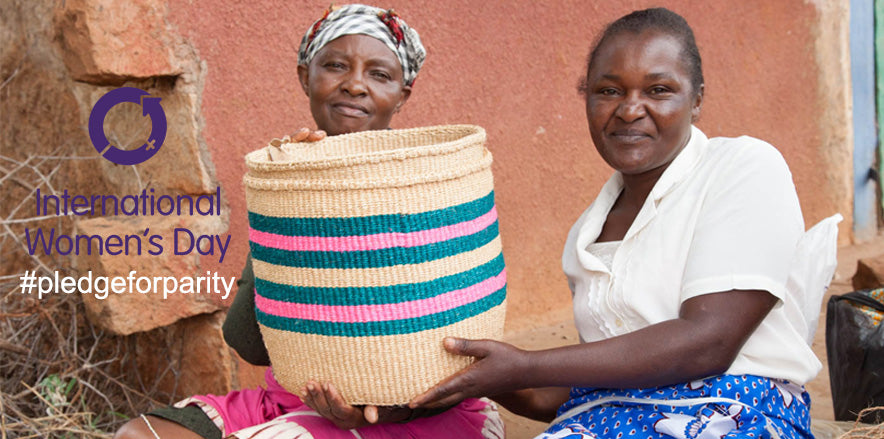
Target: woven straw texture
370	248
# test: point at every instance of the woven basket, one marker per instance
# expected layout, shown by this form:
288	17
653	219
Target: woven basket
370	248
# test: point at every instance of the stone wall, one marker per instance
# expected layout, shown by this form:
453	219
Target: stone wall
58	59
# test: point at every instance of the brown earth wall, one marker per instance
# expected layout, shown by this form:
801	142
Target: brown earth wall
512	68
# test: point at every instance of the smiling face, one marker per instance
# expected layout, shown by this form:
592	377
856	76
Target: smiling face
354	84
639	101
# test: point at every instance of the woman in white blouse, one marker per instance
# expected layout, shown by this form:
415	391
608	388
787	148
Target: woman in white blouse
678	270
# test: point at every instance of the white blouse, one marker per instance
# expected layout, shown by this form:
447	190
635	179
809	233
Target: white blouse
604	251
723	216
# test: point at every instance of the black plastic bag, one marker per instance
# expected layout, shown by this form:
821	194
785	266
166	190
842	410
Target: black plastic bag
855	349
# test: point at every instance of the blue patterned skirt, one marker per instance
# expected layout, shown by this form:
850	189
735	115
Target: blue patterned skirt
726	406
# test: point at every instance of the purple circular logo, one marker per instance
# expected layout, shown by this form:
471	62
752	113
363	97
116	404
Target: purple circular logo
150	106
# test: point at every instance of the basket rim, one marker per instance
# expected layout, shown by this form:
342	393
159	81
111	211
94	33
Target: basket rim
258	183
472	134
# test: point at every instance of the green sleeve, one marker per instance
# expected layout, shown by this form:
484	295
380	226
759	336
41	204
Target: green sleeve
241	326
190	417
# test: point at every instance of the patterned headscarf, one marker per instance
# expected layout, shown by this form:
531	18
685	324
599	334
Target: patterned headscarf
383	25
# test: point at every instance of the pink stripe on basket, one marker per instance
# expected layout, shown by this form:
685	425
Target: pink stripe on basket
385	312
373	242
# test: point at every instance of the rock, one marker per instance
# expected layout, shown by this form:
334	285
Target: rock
869	273
110	42
57	59
248	375
134	311
182	165
187	358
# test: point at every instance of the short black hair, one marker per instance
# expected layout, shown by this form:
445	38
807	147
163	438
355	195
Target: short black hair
660	19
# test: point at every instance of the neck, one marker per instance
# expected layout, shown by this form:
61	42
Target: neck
637	187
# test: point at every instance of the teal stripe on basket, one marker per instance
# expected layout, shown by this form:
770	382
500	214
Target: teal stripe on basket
379	295
375	258
370	225
390	327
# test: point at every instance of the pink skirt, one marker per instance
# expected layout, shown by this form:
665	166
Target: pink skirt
274	413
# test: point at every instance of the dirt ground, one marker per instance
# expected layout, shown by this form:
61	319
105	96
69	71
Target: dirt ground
560	331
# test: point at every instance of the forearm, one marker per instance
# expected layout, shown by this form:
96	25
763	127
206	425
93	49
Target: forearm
657	355
704	340
509	374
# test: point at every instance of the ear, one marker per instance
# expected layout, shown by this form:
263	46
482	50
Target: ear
698	103
406	92
304	78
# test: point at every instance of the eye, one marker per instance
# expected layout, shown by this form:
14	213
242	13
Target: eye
382	75
334	65
607	91
659	90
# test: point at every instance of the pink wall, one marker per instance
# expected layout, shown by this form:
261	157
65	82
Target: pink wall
512	68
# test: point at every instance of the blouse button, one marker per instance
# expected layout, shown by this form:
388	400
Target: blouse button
619	323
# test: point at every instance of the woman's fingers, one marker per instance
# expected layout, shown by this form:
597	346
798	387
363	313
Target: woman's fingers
447	390
307	135
316	135
301	135
447	393
450	386
328	402
339	408
465	347
447	401
315	399
495	370
371	414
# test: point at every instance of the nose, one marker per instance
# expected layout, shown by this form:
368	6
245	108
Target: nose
354	83
631	108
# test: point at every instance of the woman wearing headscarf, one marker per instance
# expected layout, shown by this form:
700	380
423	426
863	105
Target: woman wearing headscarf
357	65
678	270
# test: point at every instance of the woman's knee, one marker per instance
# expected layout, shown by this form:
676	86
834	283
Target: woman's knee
151	427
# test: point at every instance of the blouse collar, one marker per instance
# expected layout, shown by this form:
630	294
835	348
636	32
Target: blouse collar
679	170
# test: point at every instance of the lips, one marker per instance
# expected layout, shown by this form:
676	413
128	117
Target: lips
350	109
629	135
